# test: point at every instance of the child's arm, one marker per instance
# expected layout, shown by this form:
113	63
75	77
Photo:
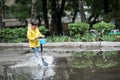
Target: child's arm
39	34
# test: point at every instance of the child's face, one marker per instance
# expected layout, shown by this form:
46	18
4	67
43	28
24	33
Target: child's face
34	27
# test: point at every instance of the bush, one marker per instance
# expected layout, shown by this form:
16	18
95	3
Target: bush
103	25
13	35
77	29
17	34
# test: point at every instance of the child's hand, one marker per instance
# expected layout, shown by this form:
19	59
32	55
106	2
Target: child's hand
42	36
36	37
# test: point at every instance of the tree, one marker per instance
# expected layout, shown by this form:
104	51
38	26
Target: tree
1	13
45	13
113	11
106	6
57	12
75	9
21	10
107	10
98	10
33	9
82	11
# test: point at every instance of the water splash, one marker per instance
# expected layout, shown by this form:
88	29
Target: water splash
35	61
35	73
42	73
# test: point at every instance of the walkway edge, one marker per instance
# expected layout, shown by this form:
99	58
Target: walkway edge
63	44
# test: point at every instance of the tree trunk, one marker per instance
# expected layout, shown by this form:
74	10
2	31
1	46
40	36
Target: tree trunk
82	11
56	22
74	15
45	12
106	6
1	9
53	18
33	12
59	13
75	10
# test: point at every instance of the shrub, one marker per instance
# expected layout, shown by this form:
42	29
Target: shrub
17	34
77	29
13	35
103	25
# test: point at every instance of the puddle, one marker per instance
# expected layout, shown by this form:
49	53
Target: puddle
85	65
35	62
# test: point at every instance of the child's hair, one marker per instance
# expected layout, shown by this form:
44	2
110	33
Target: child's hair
34	22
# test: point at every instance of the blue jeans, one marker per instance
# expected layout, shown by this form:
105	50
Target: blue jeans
36	51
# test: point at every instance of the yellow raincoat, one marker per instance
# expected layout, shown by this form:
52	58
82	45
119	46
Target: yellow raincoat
31	35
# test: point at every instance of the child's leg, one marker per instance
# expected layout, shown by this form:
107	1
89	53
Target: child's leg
36	51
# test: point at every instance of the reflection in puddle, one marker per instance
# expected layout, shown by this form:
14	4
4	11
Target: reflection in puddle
33	68
28	73
95	59
87	65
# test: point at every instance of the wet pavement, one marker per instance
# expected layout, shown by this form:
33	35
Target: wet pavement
68	61
70	65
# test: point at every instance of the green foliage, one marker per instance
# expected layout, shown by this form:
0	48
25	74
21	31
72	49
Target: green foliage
63	38
108	38
87	37
77	29
58	39
43	30
106	64
19	35
113	17
13	35
103	25
20	10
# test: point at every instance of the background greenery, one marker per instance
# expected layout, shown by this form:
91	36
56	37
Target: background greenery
52	12
77	32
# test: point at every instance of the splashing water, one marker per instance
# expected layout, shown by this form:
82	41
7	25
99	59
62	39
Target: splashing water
35	61
35	67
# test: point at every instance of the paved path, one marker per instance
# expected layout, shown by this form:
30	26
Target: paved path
10	53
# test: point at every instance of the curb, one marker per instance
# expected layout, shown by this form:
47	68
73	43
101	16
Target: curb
67	46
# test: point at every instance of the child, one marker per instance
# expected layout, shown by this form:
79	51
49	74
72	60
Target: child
33	35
